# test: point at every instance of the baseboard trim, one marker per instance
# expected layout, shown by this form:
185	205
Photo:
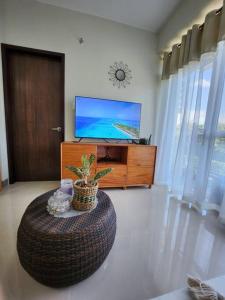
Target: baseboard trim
5	183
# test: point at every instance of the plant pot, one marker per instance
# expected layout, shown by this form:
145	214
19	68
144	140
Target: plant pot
84	197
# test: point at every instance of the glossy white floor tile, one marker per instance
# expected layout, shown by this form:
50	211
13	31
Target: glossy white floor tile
157	243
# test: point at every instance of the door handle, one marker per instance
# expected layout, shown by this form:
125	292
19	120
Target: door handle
59	129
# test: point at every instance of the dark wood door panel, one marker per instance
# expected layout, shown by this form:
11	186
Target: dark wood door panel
35	105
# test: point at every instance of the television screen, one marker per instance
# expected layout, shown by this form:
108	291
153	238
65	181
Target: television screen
109	119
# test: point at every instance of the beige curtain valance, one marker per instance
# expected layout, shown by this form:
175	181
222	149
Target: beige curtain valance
198	40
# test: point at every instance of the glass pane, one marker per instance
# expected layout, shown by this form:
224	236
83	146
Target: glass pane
221	123
215	190
218	162
205	87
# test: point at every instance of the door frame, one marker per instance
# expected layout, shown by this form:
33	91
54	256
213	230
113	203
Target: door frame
5	49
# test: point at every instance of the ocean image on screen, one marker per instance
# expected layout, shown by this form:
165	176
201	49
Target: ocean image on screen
100	118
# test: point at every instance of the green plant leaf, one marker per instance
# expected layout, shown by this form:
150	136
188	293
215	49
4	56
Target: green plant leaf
102	173
91	159
85	161
85	171
75	170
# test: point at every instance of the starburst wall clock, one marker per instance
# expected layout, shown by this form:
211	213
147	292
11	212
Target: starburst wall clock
120	74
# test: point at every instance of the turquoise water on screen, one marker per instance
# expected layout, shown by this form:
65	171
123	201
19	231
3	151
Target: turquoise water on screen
103	128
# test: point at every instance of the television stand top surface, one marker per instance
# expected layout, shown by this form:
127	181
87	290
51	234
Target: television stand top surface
107	144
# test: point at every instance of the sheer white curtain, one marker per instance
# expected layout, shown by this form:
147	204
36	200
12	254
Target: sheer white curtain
191	156
205	174
168	111
175	113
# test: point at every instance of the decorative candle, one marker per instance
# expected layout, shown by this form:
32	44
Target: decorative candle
67	186
59	202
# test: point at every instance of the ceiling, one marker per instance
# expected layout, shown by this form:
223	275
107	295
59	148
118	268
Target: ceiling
144	14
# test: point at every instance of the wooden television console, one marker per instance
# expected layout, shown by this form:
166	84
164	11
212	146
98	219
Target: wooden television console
133	165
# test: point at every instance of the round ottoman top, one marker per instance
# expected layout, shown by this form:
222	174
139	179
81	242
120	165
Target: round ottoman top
38	220
59	252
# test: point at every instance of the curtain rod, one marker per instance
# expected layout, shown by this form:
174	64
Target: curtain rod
218	11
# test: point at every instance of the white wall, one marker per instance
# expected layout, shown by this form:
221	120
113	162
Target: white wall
188	13
41	26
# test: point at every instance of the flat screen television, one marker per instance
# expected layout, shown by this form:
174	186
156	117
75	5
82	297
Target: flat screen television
106	119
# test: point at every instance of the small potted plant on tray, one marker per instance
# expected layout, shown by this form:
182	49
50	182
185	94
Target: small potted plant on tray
86	187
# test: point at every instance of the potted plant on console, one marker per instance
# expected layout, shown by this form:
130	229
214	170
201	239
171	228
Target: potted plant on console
86	187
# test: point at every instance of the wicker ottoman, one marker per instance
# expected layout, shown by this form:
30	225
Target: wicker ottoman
60	252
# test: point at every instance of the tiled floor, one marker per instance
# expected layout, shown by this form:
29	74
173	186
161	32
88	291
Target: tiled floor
158	242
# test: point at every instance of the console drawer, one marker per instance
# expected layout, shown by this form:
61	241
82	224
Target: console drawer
141	156
140	175
116	178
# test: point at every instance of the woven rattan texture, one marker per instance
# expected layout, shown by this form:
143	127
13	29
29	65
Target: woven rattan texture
59	252
84	198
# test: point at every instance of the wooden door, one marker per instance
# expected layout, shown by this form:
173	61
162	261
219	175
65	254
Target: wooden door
34	104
